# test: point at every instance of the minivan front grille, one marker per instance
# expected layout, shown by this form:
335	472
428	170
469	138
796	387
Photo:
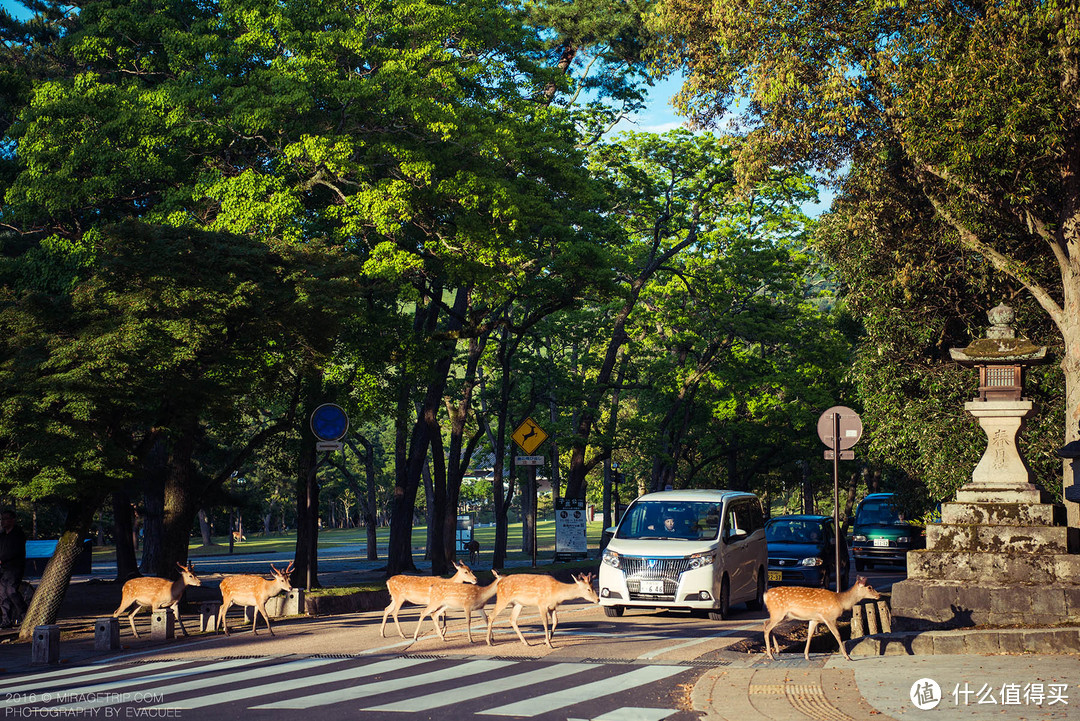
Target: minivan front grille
640	568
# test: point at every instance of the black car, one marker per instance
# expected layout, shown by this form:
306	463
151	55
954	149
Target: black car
802	552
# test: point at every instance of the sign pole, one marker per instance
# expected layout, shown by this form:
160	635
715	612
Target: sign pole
836	494
535	503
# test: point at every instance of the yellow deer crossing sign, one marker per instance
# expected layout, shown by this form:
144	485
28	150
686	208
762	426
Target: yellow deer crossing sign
529	436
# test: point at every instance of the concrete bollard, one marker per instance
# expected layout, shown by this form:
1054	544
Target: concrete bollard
162	625
294	603
208	613
858	621
46	645
886	616
107	634
872	627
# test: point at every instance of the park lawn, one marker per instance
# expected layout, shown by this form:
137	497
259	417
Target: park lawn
337	537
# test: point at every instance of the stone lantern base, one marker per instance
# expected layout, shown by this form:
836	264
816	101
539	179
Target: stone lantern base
996	558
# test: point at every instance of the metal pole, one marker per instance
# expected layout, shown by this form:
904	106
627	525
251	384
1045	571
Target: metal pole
535	503
836	495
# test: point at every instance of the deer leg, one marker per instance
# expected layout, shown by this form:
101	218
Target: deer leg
420	622
386	612
836	635
499	606
131	620
770	624
554	619
809	638
176	614
221	616
439	623
544	623
513	621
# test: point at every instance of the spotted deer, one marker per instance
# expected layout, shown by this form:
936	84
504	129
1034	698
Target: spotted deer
417	589
816	605
157	593
447	595
249	590
542	591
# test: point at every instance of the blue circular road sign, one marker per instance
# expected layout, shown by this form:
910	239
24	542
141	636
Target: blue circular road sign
329	422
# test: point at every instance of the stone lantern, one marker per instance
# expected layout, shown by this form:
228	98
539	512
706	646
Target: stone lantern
997	557
1001	358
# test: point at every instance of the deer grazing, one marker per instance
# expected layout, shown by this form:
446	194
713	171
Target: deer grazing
446	595
157	593
542	591
417	589
816	605
248	590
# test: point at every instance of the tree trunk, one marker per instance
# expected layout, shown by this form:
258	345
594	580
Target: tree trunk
306	560
181	503
204	528
45	605
153	520
127	566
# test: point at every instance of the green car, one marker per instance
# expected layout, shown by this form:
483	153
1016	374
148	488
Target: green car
881	533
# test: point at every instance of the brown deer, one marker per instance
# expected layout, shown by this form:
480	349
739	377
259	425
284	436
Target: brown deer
816	605
157	593
238	536
473	547
248	590
542	591
465	597
417	589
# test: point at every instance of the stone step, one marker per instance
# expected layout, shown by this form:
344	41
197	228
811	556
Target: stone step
999	514
1005	568
976	493
969	641
923	604
996	539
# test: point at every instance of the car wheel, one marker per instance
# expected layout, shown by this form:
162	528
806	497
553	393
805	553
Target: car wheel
614	611
724	611
860	565
758	601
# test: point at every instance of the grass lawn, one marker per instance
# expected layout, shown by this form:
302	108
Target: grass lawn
336	537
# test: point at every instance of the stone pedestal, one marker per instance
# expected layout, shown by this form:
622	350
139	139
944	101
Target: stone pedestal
46	644
162	626
996	558
107	634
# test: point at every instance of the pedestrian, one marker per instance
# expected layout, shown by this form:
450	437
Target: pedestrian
12	567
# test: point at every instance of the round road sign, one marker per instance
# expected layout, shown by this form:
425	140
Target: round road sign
850	427
329	422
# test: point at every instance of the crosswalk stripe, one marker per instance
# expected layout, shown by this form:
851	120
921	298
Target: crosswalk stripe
485	688
200	683
585	692
39	678
371	689
348	674
94	674
139	680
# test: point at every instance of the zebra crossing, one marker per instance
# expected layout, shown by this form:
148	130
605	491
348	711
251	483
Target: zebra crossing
388	687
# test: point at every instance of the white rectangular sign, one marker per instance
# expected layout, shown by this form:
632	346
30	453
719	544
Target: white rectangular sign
529	460
570	526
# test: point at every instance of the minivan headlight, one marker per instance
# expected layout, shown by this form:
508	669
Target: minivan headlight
700	560
858	538
611	558
813	561
904	539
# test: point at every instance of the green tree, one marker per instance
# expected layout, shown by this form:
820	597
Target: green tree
979	102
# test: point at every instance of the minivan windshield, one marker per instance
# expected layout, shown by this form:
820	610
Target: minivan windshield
880	513
674	520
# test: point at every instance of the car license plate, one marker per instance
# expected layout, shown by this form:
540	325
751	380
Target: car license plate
654	587
881	542
776	576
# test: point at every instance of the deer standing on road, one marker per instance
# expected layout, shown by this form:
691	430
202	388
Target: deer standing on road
465	597
542	591
247	590
417	589
157	593
816	605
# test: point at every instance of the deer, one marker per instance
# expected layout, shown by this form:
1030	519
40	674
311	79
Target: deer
542	591
417	589
465	597
156	593
238	536
816	605
473	547
249	590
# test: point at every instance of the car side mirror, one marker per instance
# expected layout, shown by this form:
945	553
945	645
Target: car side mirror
732	535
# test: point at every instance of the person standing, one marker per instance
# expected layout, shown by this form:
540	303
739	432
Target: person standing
12	567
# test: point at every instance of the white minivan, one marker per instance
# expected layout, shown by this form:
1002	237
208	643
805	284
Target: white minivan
698	550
